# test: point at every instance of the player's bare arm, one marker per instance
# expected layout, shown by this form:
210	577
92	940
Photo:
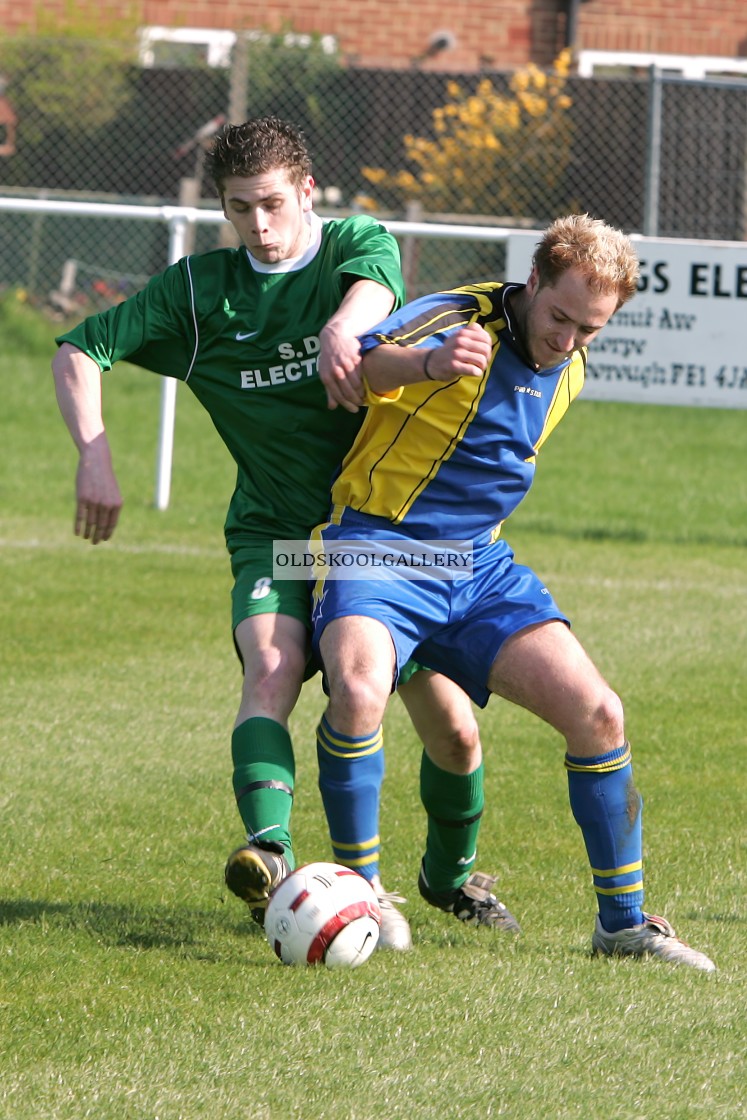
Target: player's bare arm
365	304
465	353
98	499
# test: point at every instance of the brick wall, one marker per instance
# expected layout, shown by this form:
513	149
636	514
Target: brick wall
495	34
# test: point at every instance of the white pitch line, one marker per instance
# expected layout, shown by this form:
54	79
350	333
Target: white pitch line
719	589
34	544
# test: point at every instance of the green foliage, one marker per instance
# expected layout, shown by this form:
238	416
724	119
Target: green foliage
91	118
290	75
82	19
490	152
132	986
69	76
64	85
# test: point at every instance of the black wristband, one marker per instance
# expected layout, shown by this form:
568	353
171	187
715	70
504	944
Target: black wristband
428	355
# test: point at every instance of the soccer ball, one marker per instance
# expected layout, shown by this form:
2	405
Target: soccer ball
323	912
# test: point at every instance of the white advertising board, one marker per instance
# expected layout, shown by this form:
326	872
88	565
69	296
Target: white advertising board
682	339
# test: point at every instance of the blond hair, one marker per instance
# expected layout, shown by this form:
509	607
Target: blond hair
604	254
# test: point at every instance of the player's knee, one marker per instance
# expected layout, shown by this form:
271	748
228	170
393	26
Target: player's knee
607	718
455	746
357	696
272	674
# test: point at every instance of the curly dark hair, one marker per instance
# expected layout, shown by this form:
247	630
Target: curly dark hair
258	145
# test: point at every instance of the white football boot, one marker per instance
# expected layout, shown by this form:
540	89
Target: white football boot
394	931
653	938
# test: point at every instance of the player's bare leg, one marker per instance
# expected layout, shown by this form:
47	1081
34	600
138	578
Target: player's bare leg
546	670
273	649
443	716
358	658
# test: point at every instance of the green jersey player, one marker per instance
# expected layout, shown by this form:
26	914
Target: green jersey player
265	335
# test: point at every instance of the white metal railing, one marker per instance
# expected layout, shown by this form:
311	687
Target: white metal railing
684	334
179	219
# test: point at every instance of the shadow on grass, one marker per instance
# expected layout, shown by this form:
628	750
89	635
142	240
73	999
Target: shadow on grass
715	916
189	932
601	534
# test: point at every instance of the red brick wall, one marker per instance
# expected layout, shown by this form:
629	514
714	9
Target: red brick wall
705	27
496	33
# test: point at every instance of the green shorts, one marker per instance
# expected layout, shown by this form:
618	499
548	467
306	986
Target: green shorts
408	672
255	591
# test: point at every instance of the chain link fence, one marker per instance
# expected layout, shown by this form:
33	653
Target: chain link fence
94	121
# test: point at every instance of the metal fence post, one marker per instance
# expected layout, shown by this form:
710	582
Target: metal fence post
653	155
178	229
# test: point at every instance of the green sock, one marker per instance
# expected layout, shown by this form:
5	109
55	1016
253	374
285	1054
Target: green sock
263	776
454	804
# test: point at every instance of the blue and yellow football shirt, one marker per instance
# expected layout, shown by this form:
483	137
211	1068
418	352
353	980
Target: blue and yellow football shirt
452	460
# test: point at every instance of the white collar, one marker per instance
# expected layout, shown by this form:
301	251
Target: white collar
293	264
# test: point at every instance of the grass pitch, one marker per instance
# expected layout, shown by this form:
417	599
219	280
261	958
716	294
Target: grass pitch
132	987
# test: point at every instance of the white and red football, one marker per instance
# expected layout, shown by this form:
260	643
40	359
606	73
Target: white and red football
323	913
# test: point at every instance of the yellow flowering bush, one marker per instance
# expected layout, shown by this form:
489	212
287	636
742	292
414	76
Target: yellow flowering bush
492	152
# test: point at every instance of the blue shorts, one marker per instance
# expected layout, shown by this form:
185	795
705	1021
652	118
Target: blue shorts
455	626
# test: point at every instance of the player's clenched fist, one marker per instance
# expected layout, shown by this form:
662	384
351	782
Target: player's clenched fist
465	353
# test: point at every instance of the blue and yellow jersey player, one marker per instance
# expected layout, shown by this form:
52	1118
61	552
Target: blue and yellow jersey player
434	460
466	386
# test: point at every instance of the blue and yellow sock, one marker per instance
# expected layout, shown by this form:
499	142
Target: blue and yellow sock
454	804
351	771
607	807
263	779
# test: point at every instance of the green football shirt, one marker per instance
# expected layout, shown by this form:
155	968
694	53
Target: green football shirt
244	337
